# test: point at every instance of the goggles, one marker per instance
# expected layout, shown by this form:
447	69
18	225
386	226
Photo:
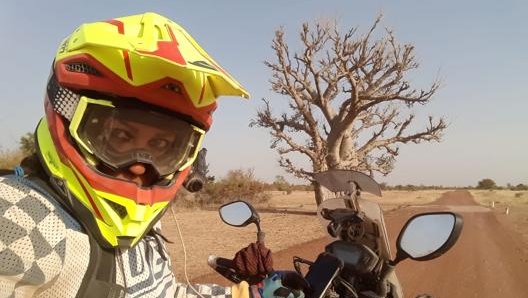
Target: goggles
120	136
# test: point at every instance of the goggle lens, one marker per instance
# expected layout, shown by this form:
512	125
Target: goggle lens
122	136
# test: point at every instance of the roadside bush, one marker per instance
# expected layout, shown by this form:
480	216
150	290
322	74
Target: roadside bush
486	184
238	184
281	184
519	187
301	187
10	158
408	187
186	200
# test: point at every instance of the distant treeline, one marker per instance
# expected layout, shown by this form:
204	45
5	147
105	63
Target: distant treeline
9	158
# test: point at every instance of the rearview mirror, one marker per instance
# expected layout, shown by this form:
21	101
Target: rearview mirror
428	235
238	214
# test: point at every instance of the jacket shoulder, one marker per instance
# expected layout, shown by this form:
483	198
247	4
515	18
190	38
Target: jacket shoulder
34	204
33	232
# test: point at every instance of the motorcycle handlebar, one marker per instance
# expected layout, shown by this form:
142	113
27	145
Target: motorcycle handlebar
225	267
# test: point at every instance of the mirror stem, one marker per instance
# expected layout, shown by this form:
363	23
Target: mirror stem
386	270
260	236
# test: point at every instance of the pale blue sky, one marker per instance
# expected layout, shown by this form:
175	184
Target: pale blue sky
479	47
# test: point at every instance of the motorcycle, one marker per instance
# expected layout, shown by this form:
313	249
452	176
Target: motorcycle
358	262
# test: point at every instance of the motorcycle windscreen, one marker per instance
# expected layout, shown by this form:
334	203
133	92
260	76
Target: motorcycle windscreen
339	181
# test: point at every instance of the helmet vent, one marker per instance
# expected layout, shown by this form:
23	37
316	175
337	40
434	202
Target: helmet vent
172	87
63	100
119	209
81	67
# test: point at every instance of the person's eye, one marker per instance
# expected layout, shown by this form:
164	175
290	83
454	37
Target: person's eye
120	136
159	144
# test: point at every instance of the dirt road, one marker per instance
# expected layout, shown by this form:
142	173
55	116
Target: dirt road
489	260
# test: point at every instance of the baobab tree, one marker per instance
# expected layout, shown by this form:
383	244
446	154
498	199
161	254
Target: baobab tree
350	102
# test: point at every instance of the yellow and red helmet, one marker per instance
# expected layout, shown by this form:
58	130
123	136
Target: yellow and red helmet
142	68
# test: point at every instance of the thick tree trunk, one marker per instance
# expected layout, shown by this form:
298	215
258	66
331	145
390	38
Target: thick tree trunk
319	193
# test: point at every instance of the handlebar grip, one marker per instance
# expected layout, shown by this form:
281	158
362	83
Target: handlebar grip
215	261
225	267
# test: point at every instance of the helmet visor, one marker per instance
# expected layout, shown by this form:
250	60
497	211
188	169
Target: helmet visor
126	135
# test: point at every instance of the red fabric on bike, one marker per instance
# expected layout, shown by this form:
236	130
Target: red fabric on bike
254	261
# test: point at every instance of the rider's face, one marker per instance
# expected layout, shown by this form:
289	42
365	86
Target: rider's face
136	143
127	136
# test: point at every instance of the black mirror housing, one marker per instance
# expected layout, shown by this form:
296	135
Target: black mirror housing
426	236
239	214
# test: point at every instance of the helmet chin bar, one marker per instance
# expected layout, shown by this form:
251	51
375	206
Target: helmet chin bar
91	225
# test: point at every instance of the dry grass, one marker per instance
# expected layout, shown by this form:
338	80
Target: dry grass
399	198
510	206
503	197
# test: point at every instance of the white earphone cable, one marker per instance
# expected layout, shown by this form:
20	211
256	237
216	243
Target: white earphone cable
184	253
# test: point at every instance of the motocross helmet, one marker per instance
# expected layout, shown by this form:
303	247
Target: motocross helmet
143	74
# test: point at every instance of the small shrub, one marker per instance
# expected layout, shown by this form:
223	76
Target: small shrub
520	187
185	200
10	158
281	184
486	184
237	185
